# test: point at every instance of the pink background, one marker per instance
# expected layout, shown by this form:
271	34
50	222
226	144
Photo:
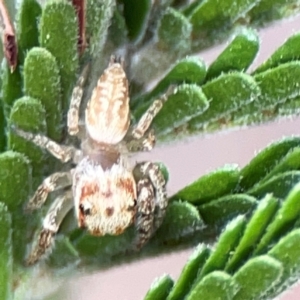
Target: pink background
187	160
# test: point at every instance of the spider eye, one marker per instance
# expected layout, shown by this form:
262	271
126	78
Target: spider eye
85	211
131	207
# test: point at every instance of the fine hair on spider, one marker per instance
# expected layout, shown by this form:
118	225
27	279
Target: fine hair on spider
107	193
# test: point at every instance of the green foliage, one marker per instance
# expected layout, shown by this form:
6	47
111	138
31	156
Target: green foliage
255	208
210	186
58	34
184	282
136	14
160	288
27	26
28	114
6	262
261	254
237	56
15	179
42	81
216	285
257	277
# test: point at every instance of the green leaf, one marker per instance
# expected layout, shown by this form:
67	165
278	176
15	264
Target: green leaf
186	70
177	110
58	34
117	33
269	10
256	277
211	186
2	128
11	87
64	253
27	26
215	14
224	247
103	248
217	285
287	251
136	15
181	219
42	82
289	107
279	185
98	14
288	163
189	273
29	115
277	85
15	179
269	157
285	53
160	288
284	218
226	93
219	212
237	56
6	260
254	230
174	32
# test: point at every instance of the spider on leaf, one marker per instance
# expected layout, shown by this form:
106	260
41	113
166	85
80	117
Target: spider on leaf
105	190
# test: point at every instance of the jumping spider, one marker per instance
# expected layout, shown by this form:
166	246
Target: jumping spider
108	195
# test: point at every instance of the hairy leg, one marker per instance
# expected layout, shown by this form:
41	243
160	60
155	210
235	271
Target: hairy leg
158	181
144	123
54	182
144	144
151	203
145	212
55	215
61	152
73	113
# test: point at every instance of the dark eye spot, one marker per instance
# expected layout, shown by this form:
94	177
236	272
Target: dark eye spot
84	211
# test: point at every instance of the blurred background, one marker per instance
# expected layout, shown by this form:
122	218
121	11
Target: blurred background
187	160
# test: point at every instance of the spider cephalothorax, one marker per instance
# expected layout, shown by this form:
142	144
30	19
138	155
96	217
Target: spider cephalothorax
103	187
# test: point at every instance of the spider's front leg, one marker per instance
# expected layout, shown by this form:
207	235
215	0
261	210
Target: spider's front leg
73	113
138	141
152	201
55	215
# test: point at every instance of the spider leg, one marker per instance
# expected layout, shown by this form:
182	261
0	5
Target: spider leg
144	144
151	203
158	181
55	215
54	182
144	123
61	152
145	212
73	113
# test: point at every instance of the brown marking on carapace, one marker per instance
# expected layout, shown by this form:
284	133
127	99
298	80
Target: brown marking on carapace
127	184
88	189
109	211
119	230
96	232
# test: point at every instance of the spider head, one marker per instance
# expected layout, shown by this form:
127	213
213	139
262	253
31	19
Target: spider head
105	200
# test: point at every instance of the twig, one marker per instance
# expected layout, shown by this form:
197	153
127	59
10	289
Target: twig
10	48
